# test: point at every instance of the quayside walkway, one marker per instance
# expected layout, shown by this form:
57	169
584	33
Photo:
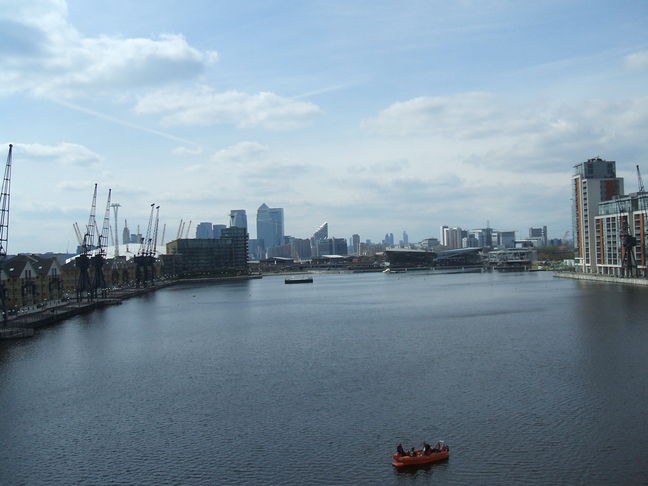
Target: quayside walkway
603	278
23	324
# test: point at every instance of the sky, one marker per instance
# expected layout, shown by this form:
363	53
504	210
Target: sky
375	116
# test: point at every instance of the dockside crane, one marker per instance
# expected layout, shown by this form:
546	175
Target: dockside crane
78	234
642	243
142	257
82	262
163	232
627	240
99	258
116	207
4	230
153	245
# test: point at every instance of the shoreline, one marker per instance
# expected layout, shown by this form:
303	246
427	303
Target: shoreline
635	281
24	325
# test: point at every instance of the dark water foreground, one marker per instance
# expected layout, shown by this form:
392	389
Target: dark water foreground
530	379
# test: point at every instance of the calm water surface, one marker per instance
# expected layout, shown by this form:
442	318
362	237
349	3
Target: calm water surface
529	378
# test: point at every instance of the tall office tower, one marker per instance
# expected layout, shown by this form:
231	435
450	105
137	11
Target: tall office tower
238	218
270	226
484	237
204	231
405	238
355	244
322	232
339	246
218	230
593	181
126	234
539	233
505	239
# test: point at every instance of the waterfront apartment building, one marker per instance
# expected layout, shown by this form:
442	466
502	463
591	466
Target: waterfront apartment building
594	181
270	226
452	238
621	236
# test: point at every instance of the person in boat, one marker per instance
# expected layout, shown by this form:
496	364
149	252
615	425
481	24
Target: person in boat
436	448
427	449
400	450
413	452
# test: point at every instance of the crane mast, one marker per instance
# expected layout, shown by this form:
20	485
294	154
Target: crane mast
640	180
155	230
143	257
116	207
4	229
99	258
82	262
163	232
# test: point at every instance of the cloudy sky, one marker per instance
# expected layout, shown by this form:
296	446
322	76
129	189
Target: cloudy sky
376	116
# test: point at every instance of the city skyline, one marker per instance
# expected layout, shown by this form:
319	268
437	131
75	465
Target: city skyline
375	118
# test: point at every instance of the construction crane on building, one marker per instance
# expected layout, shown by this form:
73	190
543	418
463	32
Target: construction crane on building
640	180
4	230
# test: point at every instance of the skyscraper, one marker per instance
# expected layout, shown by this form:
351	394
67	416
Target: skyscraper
539	233
204	231
238	218
126	234
218	230
355	239
594	181
270	226
322	232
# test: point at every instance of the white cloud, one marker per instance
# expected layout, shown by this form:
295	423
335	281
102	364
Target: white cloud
464	114
74	185
64	153
637	61
44	54
188	151
533	137
203	106
241	152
